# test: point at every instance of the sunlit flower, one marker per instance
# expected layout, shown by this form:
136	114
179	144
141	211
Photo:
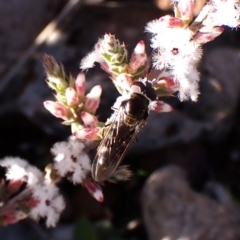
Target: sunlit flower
71	160
80	84
71	96
57	109
93	99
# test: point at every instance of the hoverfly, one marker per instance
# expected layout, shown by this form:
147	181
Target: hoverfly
124	126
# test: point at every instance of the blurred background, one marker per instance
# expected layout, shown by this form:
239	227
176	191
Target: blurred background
186	163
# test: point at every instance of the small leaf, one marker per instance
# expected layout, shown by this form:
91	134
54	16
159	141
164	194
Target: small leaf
84	230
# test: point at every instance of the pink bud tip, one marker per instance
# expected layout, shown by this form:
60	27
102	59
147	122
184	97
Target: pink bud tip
140	48
171	22
87	134
80	84
57	109
106	67
89	120
71	96
160	106
9	217
206	35
186	8
94	189
139	56
93	99
33	202
14	185
96	91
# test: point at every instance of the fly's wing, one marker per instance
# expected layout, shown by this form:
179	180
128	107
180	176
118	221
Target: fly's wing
114	146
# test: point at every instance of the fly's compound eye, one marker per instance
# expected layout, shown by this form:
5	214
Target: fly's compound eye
147	90
138	87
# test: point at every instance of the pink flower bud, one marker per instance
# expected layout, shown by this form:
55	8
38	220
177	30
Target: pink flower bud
71	97
12	216
159	106
80	84
8	218
87	134
94	189
171	22
14	185
93	99
187	9
139	56
205	36
57	109
30	203
89	120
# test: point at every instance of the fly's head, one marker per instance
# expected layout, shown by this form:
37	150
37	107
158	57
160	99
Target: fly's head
136	108
145	88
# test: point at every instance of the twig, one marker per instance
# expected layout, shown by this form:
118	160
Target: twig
41	39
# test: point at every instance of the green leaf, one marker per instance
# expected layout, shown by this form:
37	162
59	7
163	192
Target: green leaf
84	230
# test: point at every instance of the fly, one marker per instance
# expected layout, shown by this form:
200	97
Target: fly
124	126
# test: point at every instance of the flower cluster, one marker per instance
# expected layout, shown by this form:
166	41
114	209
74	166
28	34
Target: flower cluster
177	48
26	192
76	109
177	40
113	58
72	161
223	12
72	105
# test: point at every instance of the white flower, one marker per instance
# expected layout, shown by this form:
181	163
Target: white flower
175	52
52	218
71	160
226	12
50	204
154	27
59	203
172	46
163	35
20	169
188	85
92	57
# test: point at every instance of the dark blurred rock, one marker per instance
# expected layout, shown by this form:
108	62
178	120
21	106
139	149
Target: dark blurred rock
25	230
173	211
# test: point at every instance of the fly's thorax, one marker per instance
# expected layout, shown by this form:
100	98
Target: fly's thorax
136	108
